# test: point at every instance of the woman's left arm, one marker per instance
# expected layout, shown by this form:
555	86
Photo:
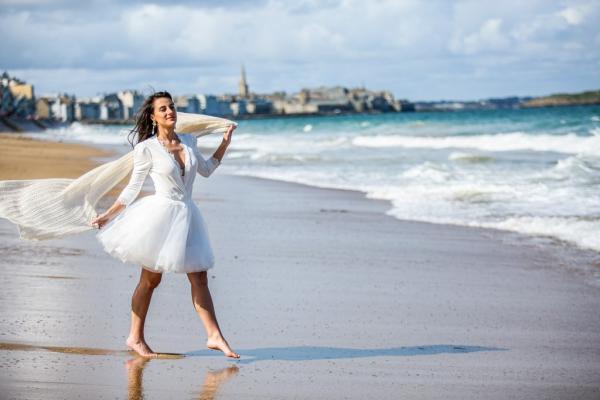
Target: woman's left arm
206	167
220	152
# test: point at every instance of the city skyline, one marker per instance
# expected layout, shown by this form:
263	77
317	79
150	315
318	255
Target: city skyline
419	51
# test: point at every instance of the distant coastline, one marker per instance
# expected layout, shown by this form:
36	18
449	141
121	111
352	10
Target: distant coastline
565	99
17	125
281	116
34	122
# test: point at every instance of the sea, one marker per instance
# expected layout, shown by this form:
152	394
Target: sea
532	171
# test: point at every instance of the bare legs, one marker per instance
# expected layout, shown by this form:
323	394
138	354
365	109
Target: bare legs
206	311
140	301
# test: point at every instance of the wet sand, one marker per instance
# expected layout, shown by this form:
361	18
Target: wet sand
322	294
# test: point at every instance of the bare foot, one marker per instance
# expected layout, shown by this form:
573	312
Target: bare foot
141	348
218	343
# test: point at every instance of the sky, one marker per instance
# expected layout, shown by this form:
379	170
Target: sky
418	50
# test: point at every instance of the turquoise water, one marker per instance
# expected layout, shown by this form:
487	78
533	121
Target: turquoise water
532	171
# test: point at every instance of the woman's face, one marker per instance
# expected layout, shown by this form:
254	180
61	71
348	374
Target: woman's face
164	113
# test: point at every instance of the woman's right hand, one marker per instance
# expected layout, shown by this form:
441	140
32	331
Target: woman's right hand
100	220
228	133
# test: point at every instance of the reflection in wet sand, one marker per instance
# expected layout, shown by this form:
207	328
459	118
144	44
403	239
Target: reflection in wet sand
212	380
88	351
135	372
60	349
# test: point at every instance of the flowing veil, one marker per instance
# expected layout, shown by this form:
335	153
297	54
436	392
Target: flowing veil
52	208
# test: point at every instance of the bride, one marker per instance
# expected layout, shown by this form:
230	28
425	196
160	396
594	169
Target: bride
164	232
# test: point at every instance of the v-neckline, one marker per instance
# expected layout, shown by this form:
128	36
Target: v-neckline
172	158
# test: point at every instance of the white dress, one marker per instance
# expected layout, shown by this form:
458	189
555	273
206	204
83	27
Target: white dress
165	231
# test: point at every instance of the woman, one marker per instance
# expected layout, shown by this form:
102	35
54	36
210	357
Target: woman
164	232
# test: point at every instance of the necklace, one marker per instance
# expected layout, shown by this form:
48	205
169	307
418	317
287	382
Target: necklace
164	143
171	151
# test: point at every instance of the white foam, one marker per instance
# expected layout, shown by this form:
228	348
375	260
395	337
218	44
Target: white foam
469	157
428	170
584	233
516	141
99	134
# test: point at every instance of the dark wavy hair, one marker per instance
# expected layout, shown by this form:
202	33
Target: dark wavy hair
143	128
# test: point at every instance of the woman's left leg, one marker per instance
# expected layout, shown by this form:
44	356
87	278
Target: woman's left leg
206	311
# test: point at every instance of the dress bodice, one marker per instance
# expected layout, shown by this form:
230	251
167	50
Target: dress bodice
151	158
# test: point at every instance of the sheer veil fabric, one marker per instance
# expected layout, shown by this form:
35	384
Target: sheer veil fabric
52	208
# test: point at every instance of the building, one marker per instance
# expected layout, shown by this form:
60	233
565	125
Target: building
211	105
17	98
43	108
62	108
181	103
111	107
238	107
243	85
88	109
259	105
131	102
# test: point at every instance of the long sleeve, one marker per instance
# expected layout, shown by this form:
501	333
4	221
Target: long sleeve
205	167
142	162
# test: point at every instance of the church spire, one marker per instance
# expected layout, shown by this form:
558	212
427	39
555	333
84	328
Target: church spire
243	85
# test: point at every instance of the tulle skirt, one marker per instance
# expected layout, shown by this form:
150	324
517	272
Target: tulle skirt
160	234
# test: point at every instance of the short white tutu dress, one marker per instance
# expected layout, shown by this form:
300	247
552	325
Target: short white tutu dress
165	231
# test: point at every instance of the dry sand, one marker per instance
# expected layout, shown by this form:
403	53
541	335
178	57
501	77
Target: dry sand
24	158
322	294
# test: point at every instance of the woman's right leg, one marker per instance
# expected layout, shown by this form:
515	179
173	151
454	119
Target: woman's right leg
204	307
140	302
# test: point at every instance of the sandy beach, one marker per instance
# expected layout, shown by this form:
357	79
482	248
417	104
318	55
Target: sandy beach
323	295
24	158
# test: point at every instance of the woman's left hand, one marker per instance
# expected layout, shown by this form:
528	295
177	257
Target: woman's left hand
228	133
100	220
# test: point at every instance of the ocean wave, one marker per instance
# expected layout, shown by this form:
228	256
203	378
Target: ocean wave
516	141
97	134
581	171
428	170
290	144
583	232
595	131
288	159
469	157
580	163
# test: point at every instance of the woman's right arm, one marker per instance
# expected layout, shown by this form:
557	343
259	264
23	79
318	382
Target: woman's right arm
142	162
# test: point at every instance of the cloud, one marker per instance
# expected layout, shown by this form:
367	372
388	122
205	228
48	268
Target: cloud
409	46
489	37
573	16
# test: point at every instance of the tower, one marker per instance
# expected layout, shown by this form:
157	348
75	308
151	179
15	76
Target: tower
243	85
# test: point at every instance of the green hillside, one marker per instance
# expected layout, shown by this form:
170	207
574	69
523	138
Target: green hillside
565	99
